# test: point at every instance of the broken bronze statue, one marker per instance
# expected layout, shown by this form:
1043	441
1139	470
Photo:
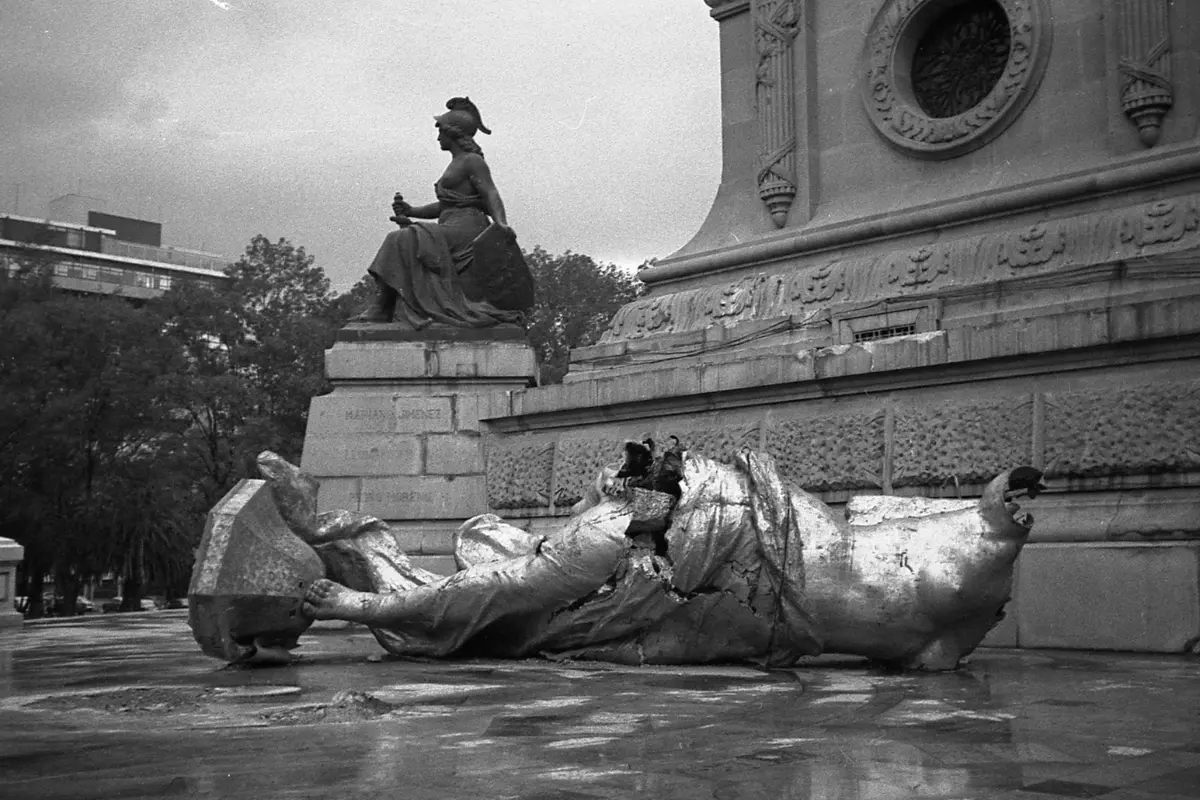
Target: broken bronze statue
755	570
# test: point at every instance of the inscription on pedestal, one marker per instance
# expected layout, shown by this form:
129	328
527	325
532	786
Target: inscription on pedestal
363	454
365	413
378	413
371	419
423	414
423	497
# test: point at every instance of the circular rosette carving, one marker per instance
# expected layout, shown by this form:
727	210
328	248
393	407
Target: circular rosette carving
944	77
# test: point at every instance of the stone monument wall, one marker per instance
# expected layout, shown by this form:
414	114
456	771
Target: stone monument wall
1114	557
822	108
950	237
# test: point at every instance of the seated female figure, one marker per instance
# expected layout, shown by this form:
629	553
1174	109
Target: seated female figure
426	272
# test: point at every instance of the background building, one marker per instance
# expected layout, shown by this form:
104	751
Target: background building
100	253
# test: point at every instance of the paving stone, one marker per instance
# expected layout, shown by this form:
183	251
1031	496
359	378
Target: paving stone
126	706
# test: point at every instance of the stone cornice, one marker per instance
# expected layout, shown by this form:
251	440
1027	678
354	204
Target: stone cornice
1146	232
1168	332
723	9
1161	166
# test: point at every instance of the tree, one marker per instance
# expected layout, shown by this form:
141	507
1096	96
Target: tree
277	281
83	404
346	305
122	425
254	360
289	316
576	298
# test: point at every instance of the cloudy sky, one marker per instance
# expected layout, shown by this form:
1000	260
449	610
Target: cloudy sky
300	118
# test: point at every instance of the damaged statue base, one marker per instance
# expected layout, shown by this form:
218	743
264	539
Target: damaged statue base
755	570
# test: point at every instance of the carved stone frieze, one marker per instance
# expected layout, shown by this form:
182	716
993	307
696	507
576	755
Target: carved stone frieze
576	464
719	442
518	473
776	23
1099	238
732	302
577	461
831	452
652	315
968	442
887	70
1032	247
1146	91
921	266
817	285
723	304
1162	222
1134	430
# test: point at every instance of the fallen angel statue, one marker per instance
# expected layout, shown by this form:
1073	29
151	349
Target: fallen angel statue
749	569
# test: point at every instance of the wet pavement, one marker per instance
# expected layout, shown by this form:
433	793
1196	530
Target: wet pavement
126	706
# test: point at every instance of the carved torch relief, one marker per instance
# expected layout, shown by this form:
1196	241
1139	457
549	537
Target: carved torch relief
1146	91
776	23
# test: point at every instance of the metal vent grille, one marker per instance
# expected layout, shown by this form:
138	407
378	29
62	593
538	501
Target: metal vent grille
884	333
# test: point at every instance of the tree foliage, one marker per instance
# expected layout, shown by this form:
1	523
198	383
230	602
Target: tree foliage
576	299
86	408
255	351
121	425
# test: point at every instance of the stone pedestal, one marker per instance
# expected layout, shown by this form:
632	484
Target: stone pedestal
11	554
399	437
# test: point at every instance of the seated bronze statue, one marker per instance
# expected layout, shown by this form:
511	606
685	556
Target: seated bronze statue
754	570
428	273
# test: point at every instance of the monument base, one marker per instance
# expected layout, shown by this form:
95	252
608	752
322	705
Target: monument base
11	554
399	436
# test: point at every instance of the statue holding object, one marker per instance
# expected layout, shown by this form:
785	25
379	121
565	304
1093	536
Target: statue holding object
464	270
754	569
